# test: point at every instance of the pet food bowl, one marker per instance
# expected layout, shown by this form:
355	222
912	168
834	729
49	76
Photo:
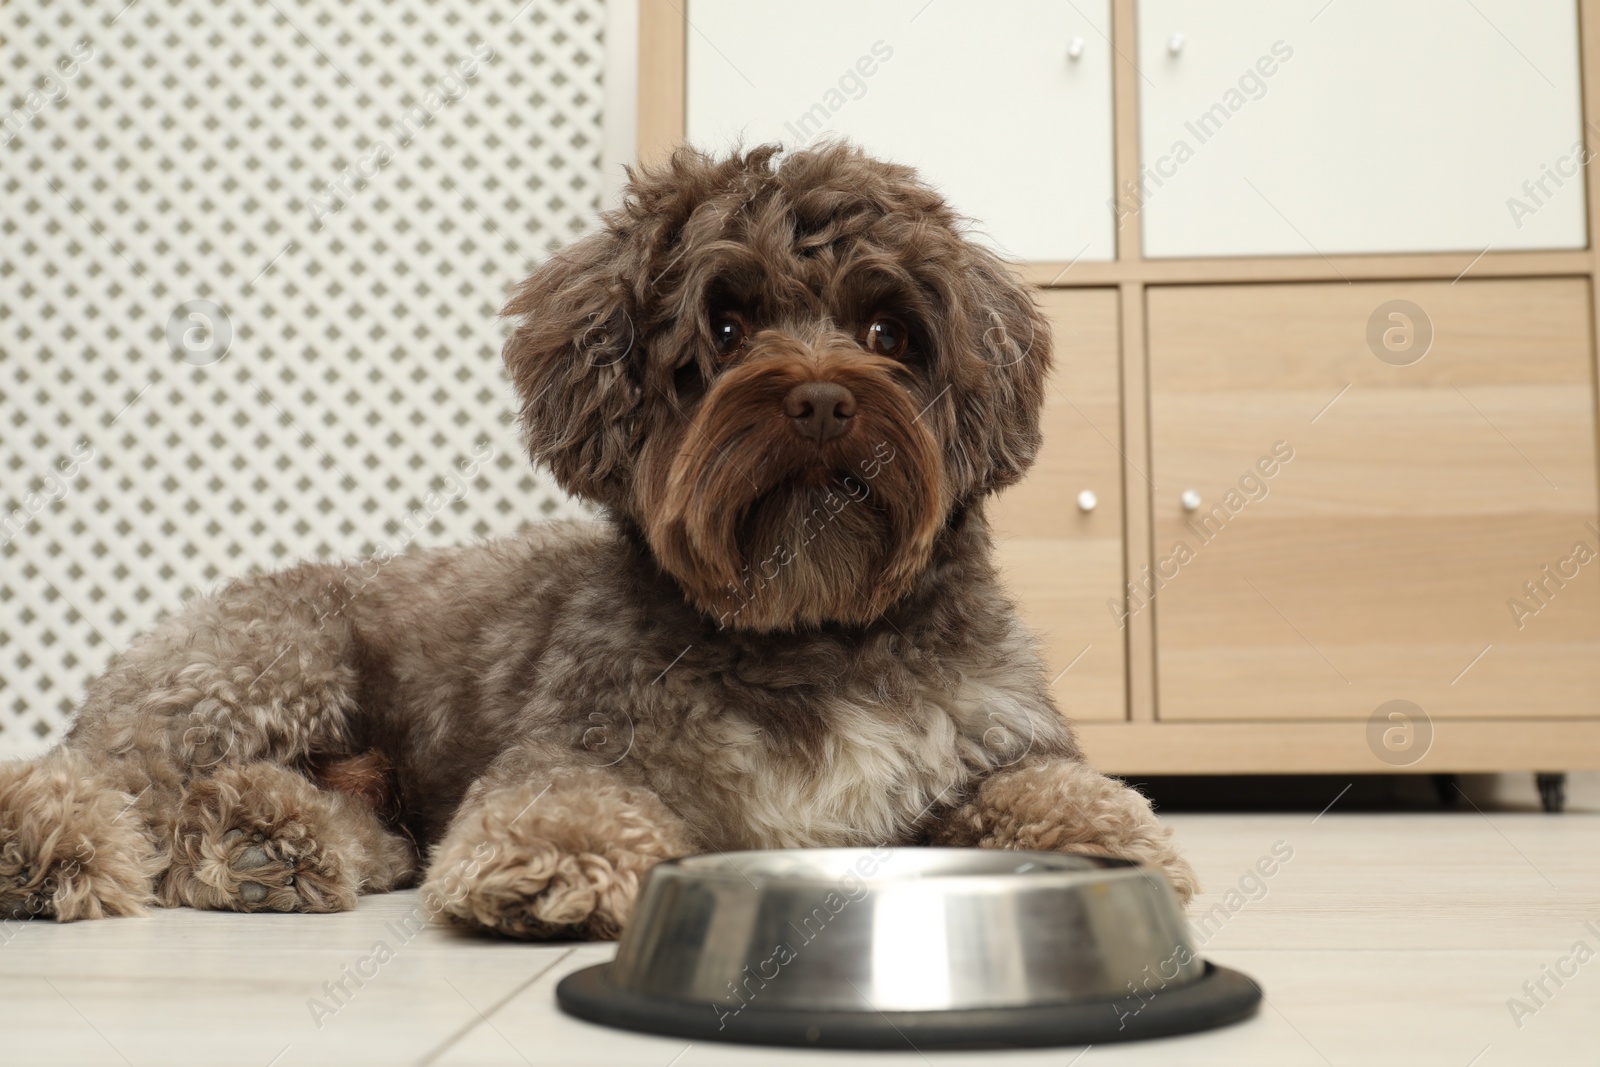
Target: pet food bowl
897	947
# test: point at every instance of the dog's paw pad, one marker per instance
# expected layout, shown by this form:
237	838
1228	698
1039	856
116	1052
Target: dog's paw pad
284	873
251	855
21	897
244	869
251	858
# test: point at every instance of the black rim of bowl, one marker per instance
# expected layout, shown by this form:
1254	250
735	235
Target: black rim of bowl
1219	997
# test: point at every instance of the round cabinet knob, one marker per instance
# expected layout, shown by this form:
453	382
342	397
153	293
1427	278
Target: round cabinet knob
1087	500
1175	44
1190	500
1075	48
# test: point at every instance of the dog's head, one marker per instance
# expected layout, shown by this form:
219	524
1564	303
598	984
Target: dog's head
788	372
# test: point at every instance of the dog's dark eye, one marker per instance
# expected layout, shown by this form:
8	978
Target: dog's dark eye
885	337
727	333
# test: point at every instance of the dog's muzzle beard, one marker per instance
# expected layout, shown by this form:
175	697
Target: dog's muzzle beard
769	526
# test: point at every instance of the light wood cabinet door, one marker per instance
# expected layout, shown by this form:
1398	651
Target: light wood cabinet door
1303	127
1063	563
1396	500
1005	107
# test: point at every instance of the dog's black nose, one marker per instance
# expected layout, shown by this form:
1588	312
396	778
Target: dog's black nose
819	410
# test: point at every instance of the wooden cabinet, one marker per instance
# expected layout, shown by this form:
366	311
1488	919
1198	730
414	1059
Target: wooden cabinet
1365	183
1060	531
1007	105
1299	127
1416	525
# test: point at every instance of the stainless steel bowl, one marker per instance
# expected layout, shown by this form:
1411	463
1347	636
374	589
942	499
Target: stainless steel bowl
868	947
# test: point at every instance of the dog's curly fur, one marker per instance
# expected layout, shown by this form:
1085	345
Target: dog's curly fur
787	630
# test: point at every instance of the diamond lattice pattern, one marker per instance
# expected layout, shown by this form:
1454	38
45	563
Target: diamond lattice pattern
251	254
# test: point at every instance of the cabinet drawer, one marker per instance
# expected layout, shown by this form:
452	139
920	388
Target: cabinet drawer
986	100
1372	528
1062	563
1299	127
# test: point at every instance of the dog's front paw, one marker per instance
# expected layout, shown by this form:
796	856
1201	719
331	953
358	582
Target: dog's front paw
1180	874
71	847
536	890
1066	806
260	837
565	861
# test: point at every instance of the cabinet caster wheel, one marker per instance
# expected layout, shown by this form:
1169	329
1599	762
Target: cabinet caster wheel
1552	790
1446	788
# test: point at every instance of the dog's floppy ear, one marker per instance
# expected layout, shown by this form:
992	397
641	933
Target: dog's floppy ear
1012	338
573	360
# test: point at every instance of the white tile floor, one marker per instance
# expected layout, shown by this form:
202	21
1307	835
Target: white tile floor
1386	939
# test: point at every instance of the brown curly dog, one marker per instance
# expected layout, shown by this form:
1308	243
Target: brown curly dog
790	384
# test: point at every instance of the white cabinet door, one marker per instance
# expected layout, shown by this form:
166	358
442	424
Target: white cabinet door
1005	107
1305	127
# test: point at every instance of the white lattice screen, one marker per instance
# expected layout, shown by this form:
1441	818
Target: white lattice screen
251	253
